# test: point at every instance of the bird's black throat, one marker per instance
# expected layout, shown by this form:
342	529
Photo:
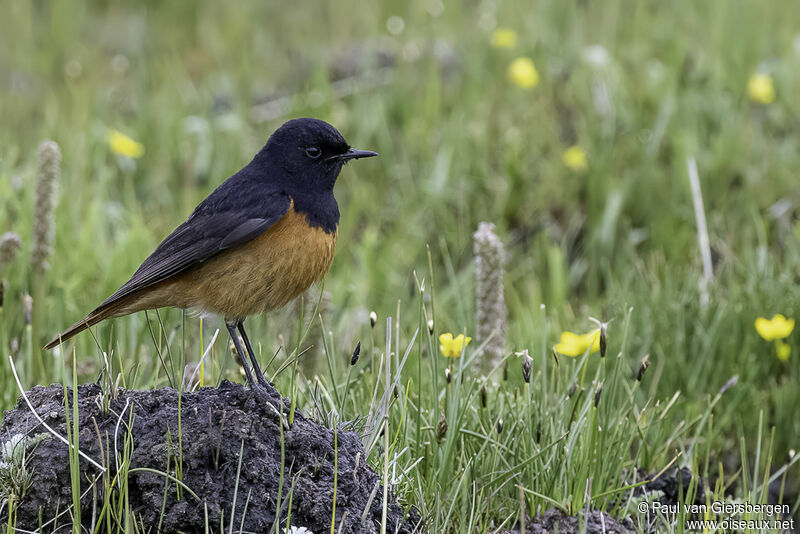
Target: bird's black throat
320	209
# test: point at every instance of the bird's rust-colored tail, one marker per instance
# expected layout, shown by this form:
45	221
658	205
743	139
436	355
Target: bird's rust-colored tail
90	320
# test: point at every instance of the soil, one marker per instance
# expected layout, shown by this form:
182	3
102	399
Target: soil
553	520
672	485
216	424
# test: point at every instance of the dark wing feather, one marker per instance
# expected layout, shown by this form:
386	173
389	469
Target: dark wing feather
217	224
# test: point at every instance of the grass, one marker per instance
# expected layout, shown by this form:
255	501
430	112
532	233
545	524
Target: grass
459	144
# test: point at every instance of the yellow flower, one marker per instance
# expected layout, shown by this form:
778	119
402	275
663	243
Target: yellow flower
778	327
783	350
522	73
575	159
123	145
760	89
577	344
452	347
504	38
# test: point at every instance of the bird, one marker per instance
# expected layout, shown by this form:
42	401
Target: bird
258	241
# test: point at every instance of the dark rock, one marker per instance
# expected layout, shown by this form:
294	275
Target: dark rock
216	423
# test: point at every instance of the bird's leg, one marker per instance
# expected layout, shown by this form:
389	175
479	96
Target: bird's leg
231	326
256	368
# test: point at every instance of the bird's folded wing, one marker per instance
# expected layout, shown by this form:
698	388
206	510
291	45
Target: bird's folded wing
202	236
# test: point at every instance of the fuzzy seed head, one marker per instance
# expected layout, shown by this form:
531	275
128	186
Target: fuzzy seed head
430	326
9	244
46	185
373	319
490	306
500	426
448	376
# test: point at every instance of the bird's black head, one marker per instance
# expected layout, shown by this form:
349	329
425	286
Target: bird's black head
310	152
303	159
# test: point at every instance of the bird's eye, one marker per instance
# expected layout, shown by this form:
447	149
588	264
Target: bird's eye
313	152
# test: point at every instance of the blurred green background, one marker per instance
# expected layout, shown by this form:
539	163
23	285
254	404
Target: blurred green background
639	87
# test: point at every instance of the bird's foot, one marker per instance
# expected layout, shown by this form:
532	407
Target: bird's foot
267	393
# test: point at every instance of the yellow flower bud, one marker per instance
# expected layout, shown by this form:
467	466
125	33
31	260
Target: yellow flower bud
522	73
504	38
760	89
575	159
123	145
783	350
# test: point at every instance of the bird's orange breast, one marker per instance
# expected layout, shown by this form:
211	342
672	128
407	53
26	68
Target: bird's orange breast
260	275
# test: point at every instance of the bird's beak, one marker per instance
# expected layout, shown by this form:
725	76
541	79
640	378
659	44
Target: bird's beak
356	154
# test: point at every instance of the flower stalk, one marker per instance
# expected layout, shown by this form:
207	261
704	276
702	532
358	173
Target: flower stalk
9	244
48	176
490	305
